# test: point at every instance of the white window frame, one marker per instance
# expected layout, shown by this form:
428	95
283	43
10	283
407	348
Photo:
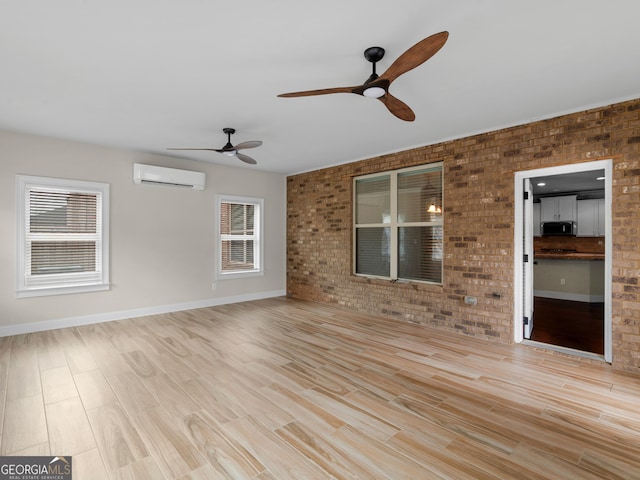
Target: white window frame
58	284
258	247
393	224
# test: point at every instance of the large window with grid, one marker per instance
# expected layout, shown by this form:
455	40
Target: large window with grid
398	217
62	236
240	231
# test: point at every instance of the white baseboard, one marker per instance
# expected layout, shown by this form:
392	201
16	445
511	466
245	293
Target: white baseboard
576	297
10	330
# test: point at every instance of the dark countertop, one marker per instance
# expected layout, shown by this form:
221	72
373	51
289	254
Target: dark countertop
569	255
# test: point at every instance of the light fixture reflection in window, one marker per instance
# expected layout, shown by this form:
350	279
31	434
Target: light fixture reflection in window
434	209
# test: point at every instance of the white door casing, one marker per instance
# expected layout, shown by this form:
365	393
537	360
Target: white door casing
519	248
527	258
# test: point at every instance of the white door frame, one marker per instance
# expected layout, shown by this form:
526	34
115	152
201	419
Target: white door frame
527	267
518	252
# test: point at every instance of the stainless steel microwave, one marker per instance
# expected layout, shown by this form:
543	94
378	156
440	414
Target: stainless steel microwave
559	228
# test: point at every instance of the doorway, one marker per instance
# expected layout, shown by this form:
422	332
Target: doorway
526	304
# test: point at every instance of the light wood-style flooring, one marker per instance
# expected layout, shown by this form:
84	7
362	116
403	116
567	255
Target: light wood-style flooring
283	389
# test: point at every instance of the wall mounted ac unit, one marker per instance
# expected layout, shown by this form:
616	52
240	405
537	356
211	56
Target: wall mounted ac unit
168	176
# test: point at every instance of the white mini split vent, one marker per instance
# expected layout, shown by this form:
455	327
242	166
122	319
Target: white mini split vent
168	176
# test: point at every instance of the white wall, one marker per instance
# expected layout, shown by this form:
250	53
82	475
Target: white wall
162	238
583	279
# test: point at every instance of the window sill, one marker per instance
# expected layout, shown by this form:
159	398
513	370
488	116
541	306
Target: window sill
61	290
398	282
239	274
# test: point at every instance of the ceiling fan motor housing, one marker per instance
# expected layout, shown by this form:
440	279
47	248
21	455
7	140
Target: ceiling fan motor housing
374	54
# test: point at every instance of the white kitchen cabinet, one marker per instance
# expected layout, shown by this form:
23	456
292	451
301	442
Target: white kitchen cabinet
591	218
559	209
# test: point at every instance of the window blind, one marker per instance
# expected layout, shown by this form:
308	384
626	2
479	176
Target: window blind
398	224
419	219
63	237
238	239
373	217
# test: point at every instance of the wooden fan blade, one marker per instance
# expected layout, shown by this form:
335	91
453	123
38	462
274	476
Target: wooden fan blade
323	91
250	144
398	108
416	55
245	158
207	149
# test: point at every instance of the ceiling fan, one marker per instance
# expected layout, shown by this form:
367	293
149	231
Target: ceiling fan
378	86
229	149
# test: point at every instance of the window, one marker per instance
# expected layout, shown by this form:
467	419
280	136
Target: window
240	230
398	224
63	237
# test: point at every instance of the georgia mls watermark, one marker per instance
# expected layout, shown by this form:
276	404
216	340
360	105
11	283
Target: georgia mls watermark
35	468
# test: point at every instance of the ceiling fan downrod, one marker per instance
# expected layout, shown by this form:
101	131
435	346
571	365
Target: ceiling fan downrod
374	55
228	149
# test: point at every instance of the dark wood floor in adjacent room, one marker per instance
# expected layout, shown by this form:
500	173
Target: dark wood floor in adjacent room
577	325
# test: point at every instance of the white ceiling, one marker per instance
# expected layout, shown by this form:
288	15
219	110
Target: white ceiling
151	74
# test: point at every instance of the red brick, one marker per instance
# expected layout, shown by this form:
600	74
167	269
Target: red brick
478	226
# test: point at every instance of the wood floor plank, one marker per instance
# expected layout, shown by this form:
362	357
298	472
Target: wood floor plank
89	465
483	464
50	353
329	381
392	462
255	404
280	458
205	472
41	449
169	447
274	374
351	414
131	393
402	418
550	466
437	462
302	409
333	457
174	346
140	363
622	467
213	400
172	366
108	359
118	441
94	389
227	459
170	395
58	384
278	388
68	427
144	469
23	379
78	356
540	434
24	424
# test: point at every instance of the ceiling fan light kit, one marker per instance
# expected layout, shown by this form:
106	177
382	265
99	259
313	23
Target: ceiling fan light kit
378	86
374	92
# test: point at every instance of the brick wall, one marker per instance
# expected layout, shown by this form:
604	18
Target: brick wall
478	226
